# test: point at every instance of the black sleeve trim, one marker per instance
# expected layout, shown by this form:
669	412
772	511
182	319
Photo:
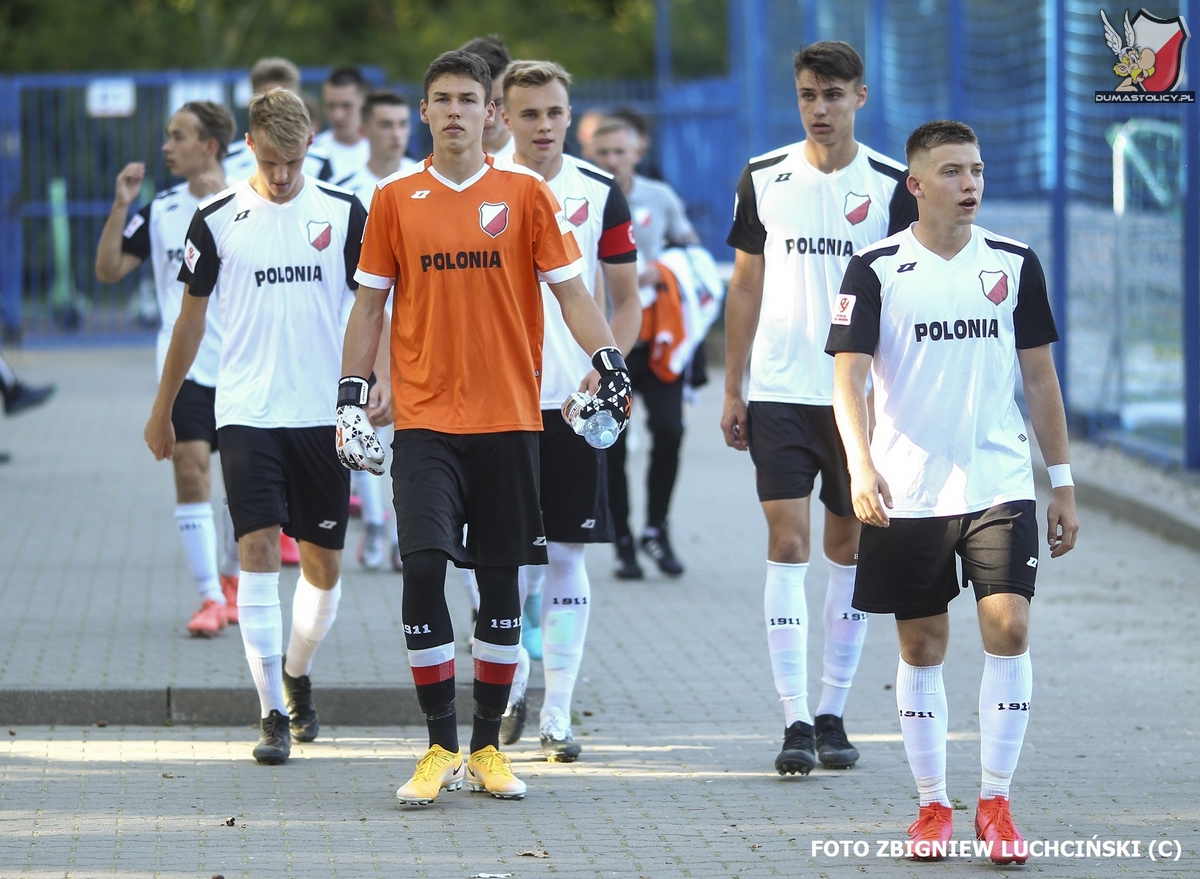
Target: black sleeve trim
897	174
748	234
356	223
766	163
902	211
138	244
1033	321
213	206
326	171
344	195
1010	247
616	207
203	279
876	252
861	335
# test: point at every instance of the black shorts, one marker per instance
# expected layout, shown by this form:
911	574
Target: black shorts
908	569
574	485
486	481
287	476
194	415
790	444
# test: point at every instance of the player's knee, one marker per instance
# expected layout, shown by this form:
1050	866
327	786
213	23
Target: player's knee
922	647
321	567
259	550
191	481
425	569
788	548
1006	635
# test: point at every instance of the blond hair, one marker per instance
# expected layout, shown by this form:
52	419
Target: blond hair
532	74
280	119
274	70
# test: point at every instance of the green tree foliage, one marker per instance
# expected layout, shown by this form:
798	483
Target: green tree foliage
594	38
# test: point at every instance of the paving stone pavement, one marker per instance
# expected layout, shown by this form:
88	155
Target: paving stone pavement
676	710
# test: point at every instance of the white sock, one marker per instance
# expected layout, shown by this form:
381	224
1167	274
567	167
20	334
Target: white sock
845	632
566	607
520	678
313	613
229	565
787	637
261	625
1004	697
369	489
198	529
921	698
532	579
8	379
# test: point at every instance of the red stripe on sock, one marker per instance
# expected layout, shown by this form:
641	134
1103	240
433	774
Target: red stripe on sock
494	672
433	674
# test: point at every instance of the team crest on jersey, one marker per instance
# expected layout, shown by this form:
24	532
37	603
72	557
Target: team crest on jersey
493	218
576	210
857	207
320	233
995	286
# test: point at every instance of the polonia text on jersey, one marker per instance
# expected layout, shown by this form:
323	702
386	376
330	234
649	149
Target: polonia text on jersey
821	246
288	275
464	259
943	330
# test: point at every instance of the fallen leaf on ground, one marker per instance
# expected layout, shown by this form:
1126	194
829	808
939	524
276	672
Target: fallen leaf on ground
534	853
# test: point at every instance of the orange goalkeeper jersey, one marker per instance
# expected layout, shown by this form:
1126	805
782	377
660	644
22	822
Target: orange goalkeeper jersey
467	324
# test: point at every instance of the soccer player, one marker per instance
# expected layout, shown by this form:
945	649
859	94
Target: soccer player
497	139
198	135
658	221
465	239
386	121
942	314
342	97
574	476
265	75
278	251
801	211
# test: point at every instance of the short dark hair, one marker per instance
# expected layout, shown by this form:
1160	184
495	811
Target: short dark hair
216	123
382	98
830	59
492	50
274	70
347	76
460	63
938	133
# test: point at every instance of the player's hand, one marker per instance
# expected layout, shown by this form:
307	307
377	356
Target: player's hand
871	497
1062	524
357	446
379	404
614	390
129	183
591	383
733	423
160	435
212	182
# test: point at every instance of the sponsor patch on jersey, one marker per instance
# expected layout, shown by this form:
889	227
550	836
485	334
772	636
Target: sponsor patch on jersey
320	233
857	207
995	286
134	224
493	218
191	255
843	307
576	210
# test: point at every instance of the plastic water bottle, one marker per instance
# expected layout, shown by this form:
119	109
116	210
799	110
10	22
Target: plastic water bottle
600	430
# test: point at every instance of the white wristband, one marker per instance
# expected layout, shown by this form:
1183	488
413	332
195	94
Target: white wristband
1060	475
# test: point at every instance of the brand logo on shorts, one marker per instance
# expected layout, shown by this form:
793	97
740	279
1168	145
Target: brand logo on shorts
493	218
1032	563
539	541
857	207
588	523
320	233
328	525
576	210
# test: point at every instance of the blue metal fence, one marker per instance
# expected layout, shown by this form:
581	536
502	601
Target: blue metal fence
1109	195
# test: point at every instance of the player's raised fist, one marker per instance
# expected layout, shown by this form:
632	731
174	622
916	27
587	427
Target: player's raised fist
129	182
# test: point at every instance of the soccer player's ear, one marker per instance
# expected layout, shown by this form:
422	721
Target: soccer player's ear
913	185
861	97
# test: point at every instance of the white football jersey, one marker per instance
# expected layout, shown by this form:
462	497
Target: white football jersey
239	164
281	272
598	215
157	233
344	160
807	225
944	334
363	183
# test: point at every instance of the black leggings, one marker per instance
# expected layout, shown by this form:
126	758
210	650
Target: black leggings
663	403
